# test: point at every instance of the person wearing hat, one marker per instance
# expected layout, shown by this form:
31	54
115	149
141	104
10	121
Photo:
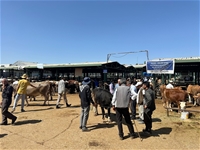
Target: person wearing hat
86	99
7	92
21	92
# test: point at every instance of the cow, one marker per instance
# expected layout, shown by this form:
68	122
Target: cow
103	98
193	91
174	96
72	86
197	99
41	89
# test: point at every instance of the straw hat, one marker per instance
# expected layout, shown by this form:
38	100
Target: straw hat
24	76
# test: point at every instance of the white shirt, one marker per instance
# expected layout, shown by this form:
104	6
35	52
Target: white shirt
61	86
169	86
133	90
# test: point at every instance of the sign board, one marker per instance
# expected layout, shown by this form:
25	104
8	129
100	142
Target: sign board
160	67
105	71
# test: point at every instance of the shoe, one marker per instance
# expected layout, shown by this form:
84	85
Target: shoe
57	107
121	137
3	123
68	105
148	131
133	118
80	127
13	121
22	110
132	135
85	130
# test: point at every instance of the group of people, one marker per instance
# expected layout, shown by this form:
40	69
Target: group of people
7	92
124	91
140	93
125	94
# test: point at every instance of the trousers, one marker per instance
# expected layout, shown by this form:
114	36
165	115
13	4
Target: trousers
17	97
125	113
5	113
84	116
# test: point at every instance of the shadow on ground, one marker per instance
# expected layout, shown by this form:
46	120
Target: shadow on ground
24	122
156	133
2	135
102	125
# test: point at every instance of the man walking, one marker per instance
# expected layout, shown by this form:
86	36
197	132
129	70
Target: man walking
21	92
62	92
120	102
7	91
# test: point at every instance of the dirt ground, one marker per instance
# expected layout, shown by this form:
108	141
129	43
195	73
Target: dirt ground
44	127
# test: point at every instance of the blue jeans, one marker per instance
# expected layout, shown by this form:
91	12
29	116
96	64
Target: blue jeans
84	116
17	97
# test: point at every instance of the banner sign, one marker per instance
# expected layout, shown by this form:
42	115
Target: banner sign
160	67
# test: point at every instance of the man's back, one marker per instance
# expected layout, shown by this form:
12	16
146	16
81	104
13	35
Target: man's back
122	96
23	86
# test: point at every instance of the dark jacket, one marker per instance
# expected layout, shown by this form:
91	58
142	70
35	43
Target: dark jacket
7	93
85	96
149	100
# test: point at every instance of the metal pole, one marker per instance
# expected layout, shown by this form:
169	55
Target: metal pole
147	54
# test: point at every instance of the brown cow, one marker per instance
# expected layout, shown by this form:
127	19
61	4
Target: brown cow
41	89
193	91
72	86
174	96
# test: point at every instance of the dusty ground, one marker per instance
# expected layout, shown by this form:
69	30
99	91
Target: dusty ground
44	127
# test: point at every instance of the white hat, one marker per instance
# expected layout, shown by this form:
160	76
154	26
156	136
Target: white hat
138	83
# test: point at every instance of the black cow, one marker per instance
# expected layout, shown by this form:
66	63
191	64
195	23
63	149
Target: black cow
103	98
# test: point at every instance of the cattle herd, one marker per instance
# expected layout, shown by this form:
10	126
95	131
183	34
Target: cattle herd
177	95
103	98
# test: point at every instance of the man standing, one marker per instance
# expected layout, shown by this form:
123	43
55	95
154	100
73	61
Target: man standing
86	99
120	102
21	92
134	88
149	106
62	92
140	101
112	87
7	91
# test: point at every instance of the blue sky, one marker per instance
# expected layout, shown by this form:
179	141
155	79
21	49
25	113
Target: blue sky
64	31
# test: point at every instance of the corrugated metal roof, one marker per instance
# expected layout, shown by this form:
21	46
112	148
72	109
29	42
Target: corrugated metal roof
85	64
181	59
139	66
